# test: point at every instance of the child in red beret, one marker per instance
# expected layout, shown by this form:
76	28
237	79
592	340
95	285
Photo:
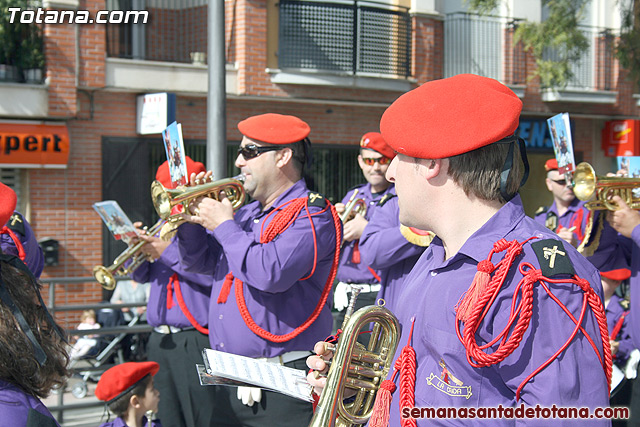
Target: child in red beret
129	392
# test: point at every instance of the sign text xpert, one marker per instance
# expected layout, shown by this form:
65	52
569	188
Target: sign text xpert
41	143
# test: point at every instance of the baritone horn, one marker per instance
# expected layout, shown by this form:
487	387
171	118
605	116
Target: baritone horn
354	206
164	199
586	185
106	275
357	368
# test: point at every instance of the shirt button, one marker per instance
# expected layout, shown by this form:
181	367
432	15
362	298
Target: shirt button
256	220
221	344
220	317
434	273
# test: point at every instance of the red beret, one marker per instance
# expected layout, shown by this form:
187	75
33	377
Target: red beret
8	205
121	378
274	128
551	165
617	274
164	176
447	117
374	141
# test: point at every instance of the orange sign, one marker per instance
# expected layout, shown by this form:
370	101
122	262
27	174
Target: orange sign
34	146
621	138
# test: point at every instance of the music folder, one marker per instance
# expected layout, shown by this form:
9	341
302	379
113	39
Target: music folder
233	370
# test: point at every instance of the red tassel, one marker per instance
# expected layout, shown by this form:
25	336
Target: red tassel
170	303
380	413
477	288
226	288
355	255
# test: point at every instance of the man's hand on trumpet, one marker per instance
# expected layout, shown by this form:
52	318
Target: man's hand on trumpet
318	363
624	219
207	211
155	246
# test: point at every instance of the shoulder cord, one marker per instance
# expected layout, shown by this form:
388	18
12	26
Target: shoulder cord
521	313
183	306
287	213
6	230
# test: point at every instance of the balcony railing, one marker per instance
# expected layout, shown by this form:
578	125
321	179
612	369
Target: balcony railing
345	37
176	29
484	45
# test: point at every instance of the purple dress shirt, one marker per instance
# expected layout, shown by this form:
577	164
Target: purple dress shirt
384	248
119	422
276	297
634	284
348	271
445	378
34	258
15	405
195	288
614	311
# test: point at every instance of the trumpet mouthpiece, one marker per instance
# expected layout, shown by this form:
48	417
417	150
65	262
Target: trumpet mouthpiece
241	177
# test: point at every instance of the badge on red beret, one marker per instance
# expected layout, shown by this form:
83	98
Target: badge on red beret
120	379
551	165
447	117
164	176
274	128
8	201
374	141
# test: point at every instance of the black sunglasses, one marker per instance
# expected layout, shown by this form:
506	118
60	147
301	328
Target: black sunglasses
251	151
560	181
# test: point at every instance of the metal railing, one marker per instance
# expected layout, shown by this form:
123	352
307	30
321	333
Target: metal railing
60	407
351	37
485	45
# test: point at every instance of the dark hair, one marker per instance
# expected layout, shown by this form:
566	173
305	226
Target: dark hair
478	171
301	154
18	362
120	406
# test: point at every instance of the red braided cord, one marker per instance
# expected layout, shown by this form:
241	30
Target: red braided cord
523	311
185	309
289	217
6	230
618	326
408	383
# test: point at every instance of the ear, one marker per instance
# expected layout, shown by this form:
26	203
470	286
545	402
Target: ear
284	157
549	185
433	167
360	161
134	401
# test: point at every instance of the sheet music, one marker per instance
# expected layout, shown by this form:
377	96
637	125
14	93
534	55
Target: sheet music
230	369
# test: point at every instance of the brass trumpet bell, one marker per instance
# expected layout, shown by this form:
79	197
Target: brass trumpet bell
354	206
358	368
165	199
587	185
106	276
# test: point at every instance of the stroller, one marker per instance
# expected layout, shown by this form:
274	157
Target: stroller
110	349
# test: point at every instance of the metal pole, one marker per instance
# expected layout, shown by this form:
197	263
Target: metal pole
216	99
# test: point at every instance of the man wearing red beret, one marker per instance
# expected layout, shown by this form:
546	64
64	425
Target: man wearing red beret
177	308
574	223
566	215
272	263
491	307
374	158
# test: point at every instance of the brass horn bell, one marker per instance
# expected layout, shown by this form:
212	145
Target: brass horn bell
586	185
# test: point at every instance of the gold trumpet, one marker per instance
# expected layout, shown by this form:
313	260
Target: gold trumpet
106	275
586	184
354	206
165	199
358	368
